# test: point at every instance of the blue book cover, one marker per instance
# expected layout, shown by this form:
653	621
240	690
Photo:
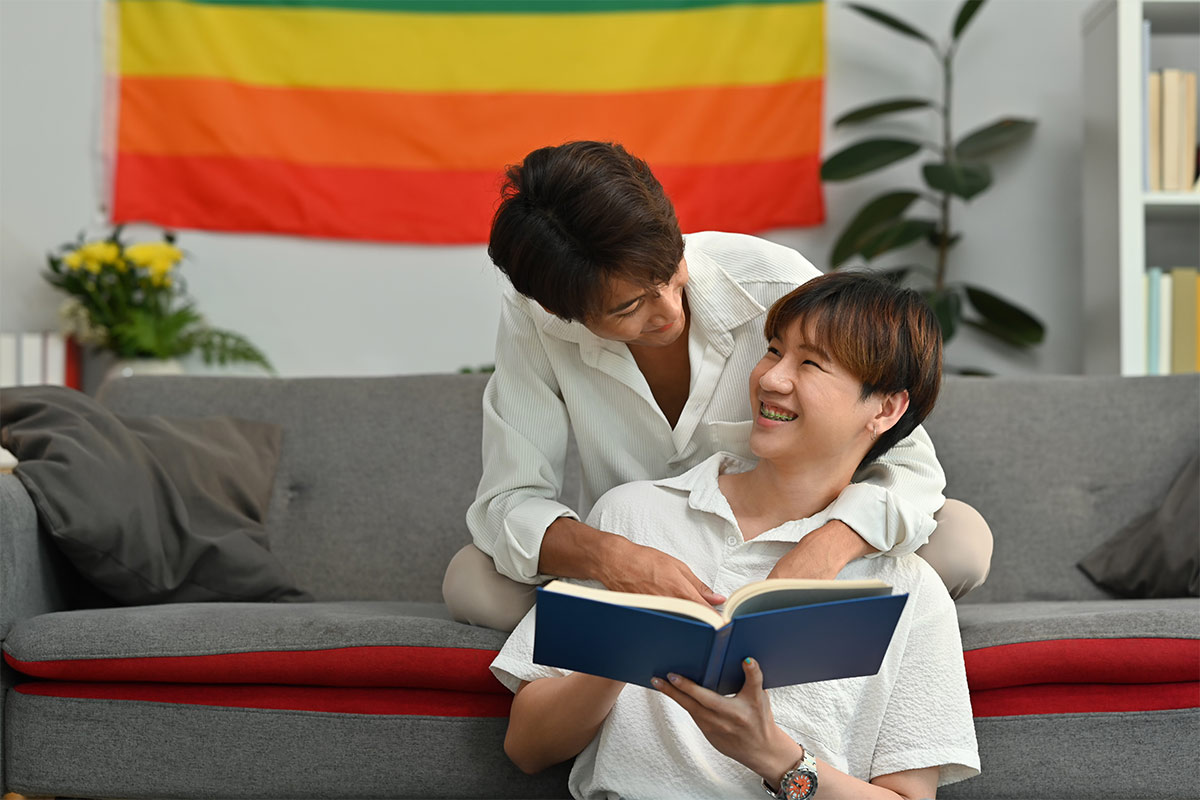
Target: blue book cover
799	631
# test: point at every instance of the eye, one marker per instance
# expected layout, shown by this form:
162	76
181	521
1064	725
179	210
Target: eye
630	312
815	364
773	350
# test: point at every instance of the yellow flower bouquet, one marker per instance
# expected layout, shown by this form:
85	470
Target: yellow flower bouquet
130	299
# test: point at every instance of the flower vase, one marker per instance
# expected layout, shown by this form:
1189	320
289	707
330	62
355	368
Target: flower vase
128	367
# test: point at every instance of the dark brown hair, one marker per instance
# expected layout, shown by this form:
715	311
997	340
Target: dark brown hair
574	216
886	336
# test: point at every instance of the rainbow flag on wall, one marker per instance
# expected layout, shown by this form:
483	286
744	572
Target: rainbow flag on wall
393	120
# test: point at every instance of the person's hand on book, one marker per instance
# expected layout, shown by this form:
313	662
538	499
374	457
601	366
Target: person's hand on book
646	570
742	726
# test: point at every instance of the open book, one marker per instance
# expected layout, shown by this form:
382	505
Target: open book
799	631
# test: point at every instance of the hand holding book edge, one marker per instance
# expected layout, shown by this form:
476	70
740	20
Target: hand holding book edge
742	726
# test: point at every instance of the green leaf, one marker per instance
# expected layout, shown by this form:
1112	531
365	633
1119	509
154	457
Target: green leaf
878	211
895	235
976	372
947	306
882	107
866	156
996	135
965	13
1005	320
891	22
897	274
935	239
961	180
224	346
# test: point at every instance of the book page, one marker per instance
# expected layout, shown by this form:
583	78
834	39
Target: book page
652	602
788	592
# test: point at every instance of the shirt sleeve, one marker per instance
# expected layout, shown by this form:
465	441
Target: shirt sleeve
892	500
525	433
928	720
514	663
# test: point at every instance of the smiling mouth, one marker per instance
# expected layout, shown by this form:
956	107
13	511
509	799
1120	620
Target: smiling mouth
777	414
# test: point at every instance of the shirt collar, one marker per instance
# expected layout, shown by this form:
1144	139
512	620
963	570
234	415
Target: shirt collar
704	494
717	302
700	482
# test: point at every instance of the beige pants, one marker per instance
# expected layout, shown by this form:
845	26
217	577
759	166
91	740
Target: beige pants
960	549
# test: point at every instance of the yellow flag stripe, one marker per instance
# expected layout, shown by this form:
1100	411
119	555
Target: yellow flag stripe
419	52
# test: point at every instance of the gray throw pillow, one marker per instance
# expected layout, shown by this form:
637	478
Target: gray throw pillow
150	509
1158	554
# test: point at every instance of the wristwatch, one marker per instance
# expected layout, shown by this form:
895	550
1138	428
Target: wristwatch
799	782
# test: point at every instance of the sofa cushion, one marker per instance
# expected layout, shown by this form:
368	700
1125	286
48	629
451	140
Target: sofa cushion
325	699
991	624
347	644
150	509
79	747
1081	657
1155	555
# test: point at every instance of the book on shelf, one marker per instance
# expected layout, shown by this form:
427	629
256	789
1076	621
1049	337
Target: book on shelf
1172	129
1170	152
1153	277
1183	319
1188	157
1147	112
1164	324
800	631
1154	132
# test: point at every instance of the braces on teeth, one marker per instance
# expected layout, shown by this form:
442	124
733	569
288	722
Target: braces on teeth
774	415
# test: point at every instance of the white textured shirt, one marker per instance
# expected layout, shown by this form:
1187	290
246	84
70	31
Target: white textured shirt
914	713
554	377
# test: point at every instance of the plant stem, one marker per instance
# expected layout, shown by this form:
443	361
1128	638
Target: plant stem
947	157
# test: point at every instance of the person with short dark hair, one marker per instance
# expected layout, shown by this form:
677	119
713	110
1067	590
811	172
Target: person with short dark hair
852	361
634	339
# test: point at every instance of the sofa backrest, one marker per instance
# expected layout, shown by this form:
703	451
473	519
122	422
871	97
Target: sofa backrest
1057	464
375	476
377	473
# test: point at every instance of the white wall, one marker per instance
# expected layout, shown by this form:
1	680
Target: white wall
321	307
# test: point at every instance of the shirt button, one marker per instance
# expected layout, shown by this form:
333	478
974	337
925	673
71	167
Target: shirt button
731	541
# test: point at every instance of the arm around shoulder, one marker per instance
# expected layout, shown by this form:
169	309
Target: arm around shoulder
893	499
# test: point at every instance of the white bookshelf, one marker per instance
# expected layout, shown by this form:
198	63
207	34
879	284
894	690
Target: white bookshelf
1116	208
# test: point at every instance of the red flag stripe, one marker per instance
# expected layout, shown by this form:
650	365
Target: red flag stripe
247	195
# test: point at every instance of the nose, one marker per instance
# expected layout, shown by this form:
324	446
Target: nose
668	305
775	380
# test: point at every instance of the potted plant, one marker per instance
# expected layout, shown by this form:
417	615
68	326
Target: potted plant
130	299
958	172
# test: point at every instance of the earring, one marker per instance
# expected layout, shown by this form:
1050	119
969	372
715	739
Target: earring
874	434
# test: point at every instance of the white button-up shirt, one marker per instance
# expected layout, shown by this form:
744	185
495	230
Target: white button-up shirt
914	713
555	377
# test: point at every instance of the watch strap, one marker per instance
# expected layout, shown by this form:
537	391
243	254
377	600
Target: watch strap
799	782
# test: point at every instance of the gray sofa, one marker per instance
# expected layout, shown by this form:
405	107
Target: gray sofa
372	692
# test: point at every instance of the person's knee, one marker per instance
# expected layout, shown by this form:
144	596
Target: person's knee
960	549
475	593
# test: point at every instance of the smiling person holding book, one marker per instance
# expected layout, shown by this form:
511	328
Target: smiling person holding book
853	365
635	340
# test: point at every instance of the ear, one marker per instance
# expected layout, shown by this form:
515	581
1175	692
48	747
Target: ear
891	409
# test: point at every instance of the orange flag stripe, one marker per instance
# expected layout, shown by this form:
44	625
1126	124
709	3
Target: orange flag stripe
349	128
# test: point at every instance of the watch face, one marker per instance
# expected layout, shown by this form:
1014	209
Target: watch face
799	784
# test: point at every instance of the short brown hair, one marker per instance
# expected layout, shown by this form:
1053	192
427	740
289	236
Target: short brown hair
574	216
886	336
